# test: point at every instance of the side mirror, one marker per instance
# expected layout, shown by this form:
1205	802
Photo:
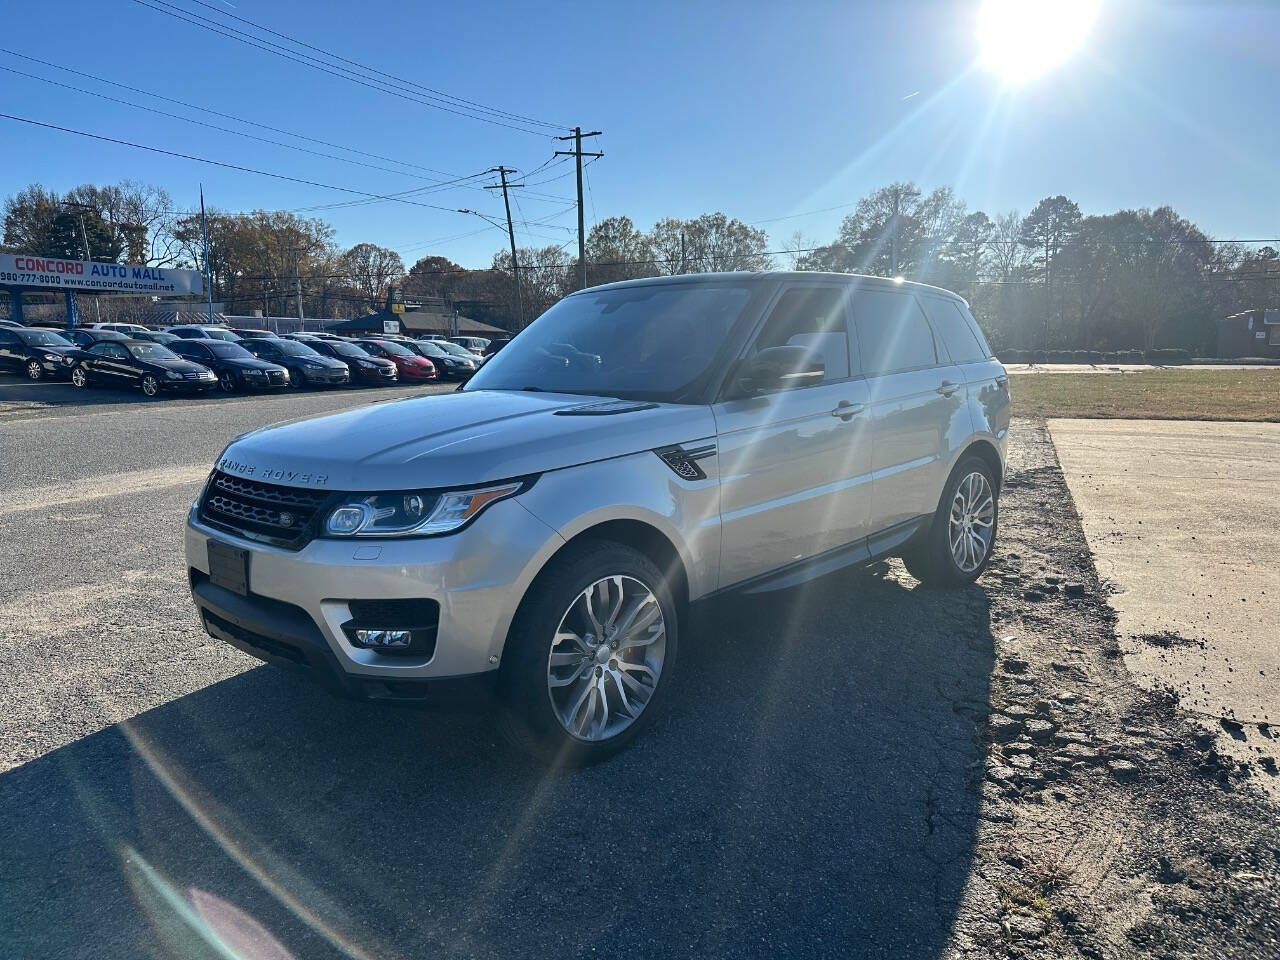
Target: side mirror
781	368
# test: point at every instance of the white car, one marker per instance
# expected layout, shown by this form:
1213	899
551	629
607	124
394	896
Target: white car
128	329
640	447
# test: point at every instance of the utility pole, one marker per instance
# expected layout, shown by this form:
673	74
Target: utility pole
208	272
84	235
577	153
511	233
297	279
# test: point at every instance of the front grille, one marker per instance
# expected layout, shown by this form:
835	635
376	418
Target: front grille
282	516
190	375
277	376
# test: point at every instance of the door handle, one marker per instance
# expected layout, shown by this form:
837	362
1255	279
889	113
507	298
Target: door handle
846	411
947	388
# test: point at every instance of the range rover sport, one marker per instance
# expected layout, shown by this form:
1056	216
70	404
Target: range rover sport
641	446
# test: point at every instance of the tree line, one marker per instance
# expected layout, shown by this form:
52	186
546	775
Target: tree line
1052	279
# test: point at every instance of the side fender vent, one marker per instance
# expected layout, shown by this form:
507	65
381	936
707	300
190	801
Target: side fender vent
683	461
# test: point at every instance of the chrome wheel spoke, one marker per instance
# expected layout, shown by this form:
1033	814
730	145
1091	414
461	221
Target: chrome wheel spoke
596	692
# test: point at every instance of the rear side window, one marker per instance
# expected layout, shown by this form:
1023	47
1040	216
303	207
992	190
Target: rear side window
893	334
950	326
811	317
975	329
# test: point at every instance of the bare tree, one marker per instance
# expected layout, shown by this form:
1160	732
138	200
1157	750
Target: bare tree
371	269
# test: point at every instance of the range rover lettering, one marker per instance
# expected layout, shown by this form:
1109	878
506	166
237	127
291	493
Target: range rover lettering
543	531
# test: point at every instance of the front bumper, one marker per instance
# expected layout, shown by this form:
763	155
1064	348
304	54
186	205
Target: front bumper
299	600
325	377
188	386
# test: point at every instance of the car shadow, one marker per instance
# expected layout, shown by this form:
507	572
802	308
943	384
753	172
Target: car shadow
811	789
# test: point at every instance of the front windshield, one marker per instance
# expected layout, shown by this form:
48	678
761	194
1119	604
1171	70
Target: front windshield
344	349
43	338
454	349
292	348
395	348
652	342
152	351
228	351
223	335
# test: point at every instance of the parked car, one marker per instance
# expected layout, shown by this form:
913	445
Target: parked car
409	366
494	345
306	367
128	329
646	445
10	323
245	333
85	337
461	352
235	367
158	336
139	363
202	330
475	344
37	353
450	364
363	367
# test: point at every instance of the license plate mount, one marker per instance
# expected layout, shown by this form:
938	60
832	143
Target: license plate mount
229	567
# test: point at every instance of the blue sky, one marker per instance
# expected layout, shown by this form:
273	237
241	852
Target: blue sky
761	110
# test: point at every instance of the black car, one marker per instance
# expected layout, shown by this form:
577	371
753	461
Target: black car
305	366
236	367
452	366
138	363
496	344
85	337
37	353
364	368
160	337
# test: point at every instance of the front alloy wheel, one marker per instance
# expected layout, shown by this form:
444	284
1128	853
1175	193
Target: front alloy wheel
150	386
606	658
226	382
79	378
589	654
34	370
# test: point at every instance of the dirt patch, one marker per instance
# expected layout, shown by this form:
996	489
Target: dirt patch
1167	639
1112	824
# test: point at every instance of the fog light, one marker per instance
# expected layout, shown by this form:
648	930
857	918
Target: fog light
382	639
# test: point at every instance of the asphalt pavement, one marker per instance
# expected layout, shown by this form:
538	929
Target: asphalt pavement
811	790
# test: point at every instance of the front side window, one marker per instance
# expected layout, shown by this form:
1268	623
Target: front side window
950	326
651	342
812	318
152	351
893	334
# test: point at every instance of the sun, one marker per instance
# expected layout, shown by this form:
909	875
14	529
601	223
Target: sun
1022	39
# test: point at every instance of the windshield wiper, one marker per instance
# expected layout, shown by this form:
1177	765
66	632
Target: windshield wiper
532	390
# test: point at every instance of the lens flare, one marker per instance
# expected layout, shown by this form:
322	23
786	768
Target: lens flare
1022	39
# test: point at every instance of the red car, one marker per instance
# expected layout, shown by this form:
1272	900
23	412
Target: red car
409	365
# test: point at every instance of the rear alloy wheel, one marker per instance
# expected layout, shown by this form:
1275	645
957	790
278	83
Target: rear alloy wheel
227	383
589	655
79	377
150	386
957	546
34	370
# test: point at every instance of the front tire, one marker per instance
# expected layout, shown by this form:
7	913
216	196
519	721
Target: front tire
34	370
79	378
295	380
227	382
150	386
589	655
957	547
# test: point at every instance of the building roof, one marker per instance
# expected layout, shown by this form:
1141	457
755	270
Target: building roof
422	321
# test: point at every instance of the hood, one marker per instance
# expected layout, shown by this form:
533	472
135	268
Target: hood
457	439
181	366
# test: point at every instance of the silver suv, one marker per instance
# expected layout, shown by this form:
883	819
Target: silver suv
641	446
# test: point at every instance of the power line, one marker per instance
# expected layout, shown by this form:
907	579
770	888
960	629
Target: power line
232	33
228	166
225	116
333	56
239	133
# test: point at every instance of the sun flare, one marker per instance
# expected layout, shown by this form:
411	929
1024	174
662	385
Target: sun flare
1022	39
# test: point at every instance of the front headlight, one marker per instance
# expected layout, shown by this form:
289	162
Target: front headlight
413	513
173	375
366	364
52	357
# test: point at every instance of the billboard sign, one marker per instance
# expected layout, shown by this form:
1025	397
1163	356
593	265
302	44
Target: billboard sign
24	270
390	326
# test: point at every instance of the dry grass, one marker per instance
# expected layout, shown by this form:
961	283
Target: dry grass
1179	394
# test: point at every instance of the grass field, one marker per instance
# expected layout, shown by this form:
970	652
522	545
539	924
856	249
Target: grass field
1180	394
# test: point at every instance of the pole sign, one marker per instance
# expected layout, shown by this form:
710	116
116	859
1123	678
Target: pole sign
24	270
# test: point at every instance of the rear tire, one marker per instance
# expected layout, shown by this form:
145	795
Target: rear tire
605	681
957	547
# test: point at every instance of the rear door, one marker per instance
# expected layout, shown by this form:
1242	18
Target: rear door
985	380
913	396
11	350
795	465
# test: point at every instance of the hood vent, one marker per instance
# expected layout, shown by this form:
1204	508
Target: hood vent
605	408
